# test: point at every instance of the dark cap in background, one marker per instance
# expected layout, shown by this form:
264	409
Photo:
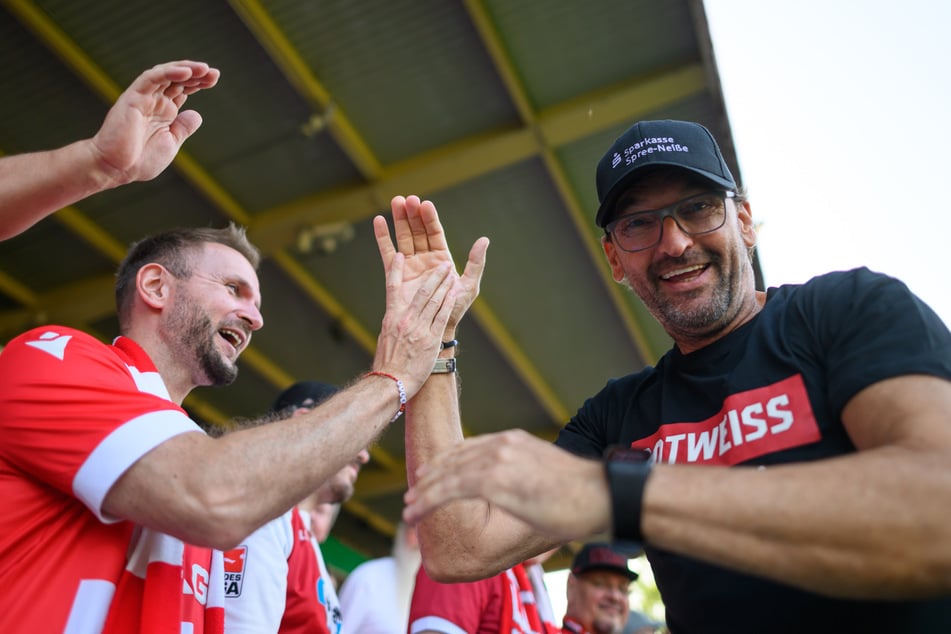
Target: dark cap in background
601	556
682	144
304	394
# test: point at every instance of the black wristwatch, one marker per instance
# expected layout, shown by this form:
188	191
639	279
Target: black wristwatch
627	471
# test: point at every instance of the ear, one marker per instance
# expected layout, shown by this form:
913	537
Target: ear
152	283
744	214
611	251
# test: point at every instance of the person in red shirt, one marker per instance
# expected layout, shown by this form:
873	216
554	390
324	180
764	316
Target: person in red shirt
597	591
503	603
116	505
509	602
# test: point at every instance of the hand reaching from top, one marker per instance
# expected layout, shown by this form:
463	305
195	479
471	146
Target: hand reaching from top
145	128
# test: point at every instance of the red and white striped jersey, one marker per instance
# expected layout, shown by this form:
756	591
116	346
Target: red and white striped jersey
76	414
276	581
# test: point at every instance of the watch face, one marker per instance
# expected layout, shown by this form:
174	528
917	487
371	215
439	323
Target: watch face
618	453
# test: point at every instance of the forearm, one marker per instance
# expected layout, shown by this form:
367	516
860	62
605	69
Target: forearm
34	185
871	524
462	540
215	492
432	425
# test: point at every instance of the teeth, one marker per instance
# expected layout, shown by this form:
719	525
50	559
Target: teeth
231	336
675	273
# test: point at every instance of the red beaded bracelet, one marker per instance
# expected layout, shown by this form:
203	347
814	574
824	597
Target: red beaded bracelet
399	386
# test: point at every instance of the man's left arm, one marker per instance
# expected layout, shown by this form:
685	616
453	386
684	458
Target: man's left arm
872	524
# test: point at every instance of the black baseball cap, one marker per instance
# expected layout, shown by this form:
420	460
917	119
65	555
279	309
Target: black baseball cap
601	556
304	394
682	144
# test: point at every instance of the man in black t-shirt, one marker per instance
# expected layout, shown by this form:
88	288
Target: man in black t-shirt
787	464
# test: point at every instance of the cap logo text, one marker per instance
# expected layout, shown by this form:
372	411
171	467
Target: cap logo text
646	147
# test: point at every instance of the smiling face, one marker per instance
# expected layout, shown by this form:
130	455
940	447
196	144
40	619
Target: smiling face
698	287
214	311
598	599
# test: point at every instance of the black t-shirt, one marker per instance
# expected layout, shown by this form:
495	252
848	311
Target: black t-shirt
772	392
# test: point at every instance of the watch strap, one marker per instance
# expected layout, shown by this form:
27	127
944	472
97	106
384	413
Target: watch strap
627	472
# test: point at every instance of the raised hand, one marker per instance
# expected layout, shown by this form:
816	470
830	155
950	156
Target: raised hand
422	241
145	128
414	322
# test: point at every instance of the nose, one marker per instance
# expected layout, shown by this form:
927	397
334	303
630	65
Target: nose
673	240
251	315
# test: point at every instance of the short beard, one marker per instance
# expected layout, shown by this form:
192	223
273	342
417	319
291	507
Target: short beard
700	321
197	337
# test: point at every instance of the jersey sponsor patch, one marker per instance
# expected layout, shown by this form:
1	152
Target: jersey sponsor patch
235	561
750	424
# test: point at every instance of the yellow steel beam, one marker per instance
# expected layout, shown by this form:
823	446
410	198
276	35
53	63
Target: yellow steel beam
432	171
319	293
96	236
74	57
81	302
506	343
582	222
456	163
559	125
15	290
59	43
500	57
620	104
285	55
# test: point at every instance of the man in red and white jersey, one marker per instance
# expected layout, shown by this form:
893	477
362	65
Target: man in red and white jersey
277	580
115	501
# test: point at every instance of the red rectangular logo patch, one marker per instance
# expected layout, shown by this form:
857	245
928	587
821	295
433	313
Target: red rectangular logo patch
235	560
750	424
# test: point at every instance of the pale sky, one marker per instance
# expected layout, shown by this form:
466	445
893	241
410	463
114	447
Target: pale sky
841	115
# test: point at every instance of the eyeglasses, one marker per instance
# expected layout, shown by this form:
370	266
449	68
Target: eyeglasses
696	215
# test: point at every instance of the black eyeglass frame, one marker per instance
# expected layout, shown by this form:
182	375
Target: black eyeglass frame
665	212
